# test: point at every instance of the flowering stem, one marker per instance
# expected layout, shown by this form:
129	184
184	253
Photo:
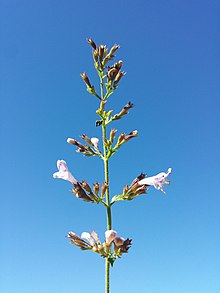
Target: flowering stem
108	208
107	195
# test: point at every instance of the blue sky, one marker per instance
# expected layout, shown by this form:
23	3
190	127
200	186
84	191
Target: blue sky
170	51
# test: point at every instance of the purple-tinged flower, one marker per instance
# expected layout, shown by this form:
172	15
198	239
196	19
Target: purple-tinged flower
157	181
110	236
118	241
63	172
121	245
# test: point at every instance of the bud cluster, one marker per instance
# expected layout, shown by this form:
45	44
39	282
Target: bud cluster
123	138
123	112
91	241
114	75
86	150
100	53
130	192
84	191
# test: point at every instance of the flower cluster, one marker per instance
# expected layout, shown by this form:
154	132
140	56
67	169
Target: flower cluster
87	150
91	241
81	189
109	75
140	185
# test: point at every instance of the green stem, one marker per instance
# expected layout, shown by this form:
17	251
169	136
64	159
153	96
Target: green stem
107	195
108	209
107	276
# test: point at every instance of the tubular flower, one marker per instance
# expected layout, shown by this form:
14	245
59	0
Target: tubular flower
157	181
63	172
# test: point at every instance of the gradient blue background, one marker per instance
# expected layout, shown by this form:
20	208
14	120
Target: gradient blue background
171	55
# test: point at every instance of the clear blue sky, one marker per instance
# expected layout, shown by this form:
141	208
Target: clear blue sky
171	55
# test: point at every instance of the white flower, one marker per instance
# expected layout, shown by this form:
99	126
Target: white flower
110	236
63	172
88	237
95	142
157	181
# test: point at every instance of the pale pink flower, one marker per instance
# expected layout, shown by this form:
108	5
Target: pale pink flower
118	241
95	142
63	172
110	236
157	181
92	237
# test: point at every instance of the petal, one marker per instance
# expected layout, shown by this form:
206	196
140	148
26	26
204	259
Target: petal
95	141
110	236
147	181
87	236
119	241
62	166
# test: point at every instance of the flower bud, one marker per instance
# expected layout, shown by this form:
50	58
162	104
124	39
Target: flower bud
113	49
81	147
76	240
118	77
71	234
118	65
80	193
96	188
86	186
86	138
102	51
112	135
110	55
86	79
123	112
121	138
131	135
91	43
104	187
112	72
96	56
